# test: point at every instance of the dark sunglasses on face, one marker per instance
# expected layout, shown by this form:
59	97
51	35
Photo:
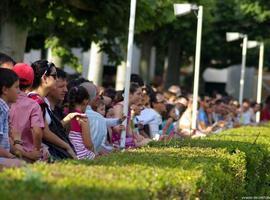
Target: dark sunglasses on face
48	70
54	75
49	66
163	101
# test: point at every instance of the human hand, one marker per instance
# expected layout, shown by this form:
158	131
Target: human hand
71	153
73	115
122	119
34	155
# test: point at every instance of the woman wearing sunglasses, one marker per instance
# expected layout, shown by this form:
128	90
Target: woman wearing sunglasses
45	77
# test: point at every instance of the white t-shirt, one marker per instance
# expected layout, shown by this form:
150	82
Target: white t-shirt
153	119
47	116
246	118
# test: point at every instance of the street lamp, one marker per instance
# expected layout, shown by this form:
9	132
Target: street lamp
179	10
128	68
232	36
252	44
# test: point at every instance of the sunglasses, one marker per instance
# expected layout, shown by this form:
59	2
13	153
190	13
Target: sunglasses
54	75
163	101
49	66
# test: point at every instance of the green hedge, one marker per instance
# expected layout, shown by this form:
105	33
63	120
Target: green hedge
147	173
229	165
253	141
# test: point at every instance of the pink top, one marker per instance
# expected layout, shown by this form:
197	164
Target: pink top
265	115
74	124
24	115
116	137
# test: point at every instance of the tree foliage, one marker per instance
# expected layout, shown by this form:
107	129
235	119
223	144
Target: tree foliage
76	23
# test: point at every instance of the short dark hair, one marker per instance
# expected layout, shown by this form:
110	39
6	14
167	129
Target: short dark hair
76	82
61	73
267	100
40	67
5	58
169	107
133	88
110	92
7	78
246	101
135	78
153	98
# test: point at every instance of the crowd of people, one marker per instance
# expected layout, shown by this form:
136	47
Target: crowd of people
44	116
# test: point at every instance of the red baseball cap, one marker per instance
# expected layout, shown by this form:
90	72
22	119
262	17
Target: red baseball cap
25	73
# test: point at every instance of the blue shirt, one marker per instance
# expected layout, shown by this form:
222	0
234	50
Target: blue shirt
98	128
4	138
202	117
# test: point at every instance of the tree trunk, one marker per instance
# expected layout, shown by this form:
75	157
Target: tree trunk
95	72
13	40
145	58
55	59
120	76
153	62
173	71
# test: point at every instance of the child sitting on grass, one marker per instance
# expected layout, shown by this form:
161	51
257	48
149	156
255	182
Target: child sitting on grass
79	134
9	87
168	128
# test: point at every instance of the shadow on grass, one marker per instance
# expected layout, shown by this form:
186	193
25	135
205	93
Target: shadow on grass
38	189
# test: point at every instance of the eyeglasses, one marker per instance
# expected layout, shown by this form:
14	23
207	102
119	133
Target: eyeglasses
163	101
48	68
54	75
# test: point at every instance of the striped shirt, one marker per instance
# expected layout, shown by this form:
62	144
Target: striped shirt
75	136
4	138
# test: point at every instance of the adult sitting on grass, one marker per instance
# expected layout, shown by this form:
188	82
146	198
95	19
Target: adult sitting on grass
97	122
44	81
59	123
9	86
132	139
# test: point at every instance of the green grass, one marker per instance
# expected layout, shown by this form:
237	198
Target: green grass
230	165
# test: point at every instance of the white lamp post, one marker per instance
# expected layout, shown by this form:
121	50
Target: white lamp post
128	67
252	44
260	78
231	36
182	9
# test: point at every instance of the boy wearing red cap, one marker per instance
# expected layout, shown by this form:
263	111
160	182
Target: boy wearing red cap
26	118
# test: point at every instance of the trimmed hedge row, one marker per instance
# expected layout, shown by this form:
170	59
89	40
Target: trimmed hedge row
229	165
254	142
147	173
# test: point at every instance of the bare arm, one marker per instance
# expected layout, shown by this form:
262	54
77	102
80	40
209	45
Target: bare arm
51	137
66	121
118	111
86	135
4	153
167	125
37	133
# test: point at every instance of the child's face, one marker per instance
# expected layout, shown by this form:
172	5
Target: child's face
110	113
12	92
101	110
173	114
